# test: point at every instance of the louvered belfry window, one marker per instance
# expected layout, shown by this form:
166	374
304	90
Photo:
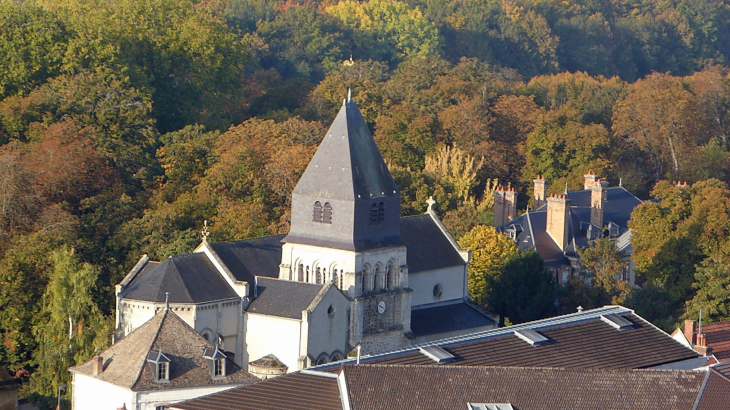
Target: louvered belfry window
317	214
327	213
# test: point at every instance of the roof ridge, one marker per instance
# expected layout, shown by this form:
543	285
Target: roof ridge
177	272
152	343
249	239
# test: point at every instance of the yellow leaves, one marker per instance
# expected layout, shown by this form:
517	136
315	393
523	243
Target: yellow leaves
456	167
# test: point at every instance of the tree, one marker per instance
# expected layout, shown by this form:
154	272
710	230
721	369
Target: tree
70	326
524	290
490	250
604	264
712	280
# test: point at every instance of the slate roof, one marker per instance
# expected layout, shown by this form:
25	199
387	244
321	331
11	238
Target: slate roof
188	278
293	391
447	318
617	209
283	298
428	248
409	387
579	340
347	164
718	336
252	257
125	363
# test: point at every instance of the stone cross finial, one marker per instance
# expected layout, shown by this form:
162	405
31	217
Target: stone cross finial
349	95
204	233
431	202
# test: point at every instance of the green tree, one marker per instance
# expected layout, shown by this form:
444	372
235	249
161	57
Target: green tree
490	250
524	290
712	280
604	263
70	326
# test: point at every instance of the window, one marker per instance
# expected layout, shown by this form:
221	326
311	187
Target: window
317	213
161	408
334	276
319	276
392	278
219	368
306	279
331	311
373	214
327	213
300	273
437	291
162	371
381	212
342	280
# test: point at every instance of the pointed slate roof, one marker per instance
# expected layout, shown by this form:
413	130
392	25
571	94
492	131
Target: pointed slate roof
188	278
125	363
347	164
346	198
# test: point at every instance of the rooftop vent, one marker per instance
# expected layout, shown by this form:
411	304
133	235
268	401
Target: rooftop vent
532	337
490	406
617	321
437	354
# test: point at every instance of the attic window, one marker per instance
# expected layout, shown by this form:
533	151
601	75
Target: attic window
437	354
216	361
490	406
613	229
593	232
617	321
159	365
327	213
532	337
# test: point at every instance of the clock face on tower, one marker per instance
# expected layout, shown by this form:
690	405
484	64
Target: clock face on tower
381	307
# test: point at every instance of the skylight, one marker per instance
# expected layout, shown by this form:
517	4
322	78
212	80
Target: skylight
437	354
490	406
617	321
532	337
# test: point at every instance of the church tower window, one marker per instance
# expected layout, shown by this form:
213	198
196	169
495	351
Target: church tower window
381	212
334	276
327	213
373	214
317	214
392	276
319	276
300	273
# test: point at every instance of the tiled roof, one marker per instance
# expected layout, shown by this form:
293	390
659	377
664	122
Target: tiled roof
252	257
293	391
188	278
718	336
283	298
447	318
579	340
716	391
412	387
125	363
428	247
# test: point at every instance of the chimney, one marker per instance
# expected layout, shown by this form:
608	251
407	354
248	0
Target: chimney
504	205
589	180
690	331
701	346
598	199
558	219
98	365
682	185
540	192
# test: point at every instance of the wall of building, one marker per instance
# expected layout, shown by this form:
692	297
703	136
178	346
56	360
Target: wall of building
150	399
9	399
452	281
273	335
88	393
383	342
328	332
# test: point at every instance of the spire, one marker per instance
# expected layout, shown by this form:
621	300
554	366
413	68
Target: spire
346	197
204	233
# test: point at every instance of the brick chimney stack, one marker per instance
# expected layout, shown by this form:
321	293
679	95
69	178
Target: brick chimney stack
701	346
599	194
690	331
98	365
504	205
589	180
540	191
558	219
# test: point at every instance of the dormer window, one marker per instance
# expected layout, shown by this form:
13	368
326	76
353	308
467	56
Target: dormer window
159	365
216	361
613	230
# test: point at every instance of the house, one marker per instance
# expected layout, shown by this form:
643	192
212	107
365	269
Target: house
351	271
8	391
711	340
376	387
159	363
562	224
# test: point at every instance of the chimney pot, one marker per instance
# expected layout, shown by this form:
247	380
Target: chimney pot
98	365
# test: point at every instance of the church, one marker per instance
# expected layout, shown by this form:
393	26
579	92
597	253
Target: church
350	272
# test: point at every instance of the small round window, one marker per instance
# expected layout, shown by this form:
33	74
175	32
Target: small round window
331	311
437	291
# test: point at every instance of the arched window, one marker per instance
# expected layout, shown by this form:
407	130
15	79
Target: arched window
319	276
373	214
342	280
327	213
307	277
386	278
381	212
392	276
378	277
317	214
300	273
365	278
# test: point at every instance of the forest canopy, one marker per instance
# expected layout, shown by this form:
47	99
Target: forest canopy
125	124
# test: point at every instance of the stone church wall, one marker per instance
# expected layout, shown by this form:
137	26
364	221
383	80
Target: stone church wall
383	342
